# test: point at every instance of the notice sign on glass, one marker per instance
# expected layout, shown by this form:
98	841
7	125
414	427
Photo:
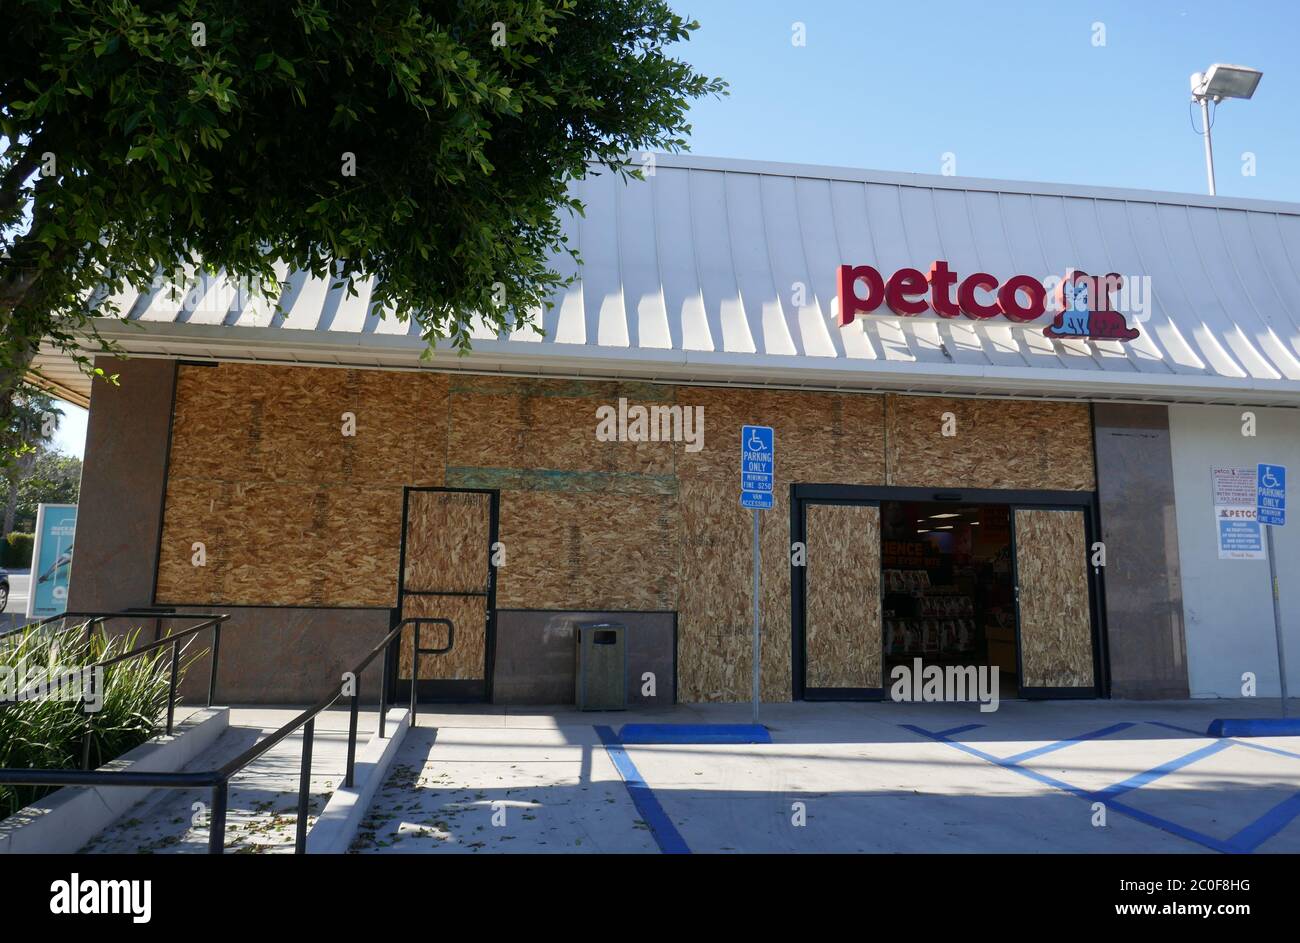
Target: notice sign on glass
1235	522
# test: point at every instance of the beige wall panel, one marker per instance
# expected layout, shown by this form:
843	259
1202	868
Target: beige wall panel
714	623
465	661
998	444
587	551
447	541
843	610
214	410
820	437
1055	624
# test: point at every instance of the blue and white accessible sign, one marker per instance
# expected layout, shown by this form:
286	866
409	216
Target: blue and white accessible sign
1270	494
757	467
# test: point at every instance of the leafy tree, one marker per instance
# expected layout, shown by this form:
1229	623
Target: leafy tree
54	478
426	143
33	419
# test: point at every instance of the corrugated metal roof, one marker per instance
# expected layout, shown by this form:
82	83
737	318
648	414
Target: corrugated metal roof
724	271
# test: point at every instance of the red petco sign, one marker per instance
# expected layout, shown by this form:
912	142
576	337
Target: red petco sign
1081	302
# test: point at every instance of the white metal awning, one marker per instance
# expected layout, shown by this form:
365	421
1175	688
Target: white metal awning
721	271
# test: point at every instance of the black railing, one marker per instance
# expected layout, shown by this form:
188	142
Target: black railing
87	628
218	780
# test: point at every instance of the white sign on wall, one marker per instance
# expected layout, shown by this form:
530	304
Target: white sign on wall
1235	522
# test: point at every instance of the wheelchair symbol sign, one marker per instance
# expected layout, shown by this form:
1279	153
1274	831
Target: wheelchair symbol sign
1270	494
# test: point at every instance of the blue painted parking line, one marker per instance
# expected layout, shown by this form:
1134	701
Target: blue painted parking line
665	834
1164	769
1173	828
1268	824
956	730
1062	744
1241	743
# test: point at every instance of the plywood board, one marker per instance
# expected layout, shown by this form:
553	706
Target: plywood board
842	620
1055	621
466	659
587	551
447	535
714	657
820	437
995	444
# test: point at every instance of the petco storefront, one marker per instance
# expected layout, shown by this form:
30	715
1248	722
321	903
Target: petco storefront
1004	416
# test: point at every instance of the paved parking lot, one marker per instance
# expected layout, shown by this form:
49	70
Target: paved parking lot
1087	776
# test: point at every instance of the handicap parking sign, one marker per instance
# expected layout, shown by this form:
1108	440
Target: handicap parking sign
1270	494
757	466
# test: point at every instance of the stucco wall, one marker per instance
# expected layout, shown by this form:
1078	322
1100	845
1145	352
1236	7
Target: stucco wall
1226	603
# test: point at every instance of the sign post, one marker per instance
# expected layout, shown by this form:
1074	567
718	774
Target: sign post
56	526
757	474
1270	509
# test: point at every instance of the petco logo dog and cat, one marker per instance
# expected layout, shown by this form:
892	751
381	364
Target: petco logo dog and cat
1082	303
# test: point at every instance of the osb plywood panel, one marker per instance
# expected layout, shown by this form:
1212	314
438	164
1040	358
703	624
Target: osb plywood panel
820	437
447	541
277	544
535	428
240	423
843	643
296	512
466	659
714	655
997	444
194	511
1055	623
587	551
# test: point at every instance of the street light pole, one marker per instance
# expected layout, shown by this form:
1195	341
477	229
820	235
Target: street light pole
1209	147
1218	82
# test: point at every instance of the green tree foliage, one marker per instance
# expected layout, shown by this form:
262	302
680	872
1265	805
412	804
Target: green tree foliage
55	478
426	143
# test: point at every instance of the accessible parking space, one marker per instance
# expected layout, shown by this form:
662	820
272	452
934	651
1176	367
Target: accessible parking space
1094	776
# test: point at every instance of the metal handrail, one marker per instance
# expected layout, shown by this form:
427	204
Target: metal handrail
218	780
212	622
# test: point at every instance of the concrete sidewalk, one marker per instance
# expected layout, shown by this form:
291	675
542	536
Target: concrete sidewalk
263	800
846	778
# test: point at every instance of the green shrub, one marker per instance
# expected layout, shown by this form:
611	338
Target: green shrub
47	733
16	550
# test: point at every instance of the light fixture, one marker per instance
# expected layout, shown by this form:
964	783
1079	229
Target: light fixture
936	517
944	527
1216	83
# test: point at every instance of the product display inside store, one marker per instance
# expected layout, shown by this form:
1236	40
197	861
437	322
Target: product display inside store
948	587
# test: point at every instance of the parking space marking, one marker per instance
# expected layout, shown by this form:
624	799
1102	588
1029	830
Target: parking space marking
1149	776
1062	744
1147	818
665	834
1267	825
1241	743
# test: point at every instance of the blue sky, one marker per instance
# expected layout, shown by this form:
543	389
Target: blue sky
1014	90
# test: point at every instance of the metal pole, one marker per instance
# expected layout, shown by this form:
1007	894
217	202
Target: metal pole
217	820
1277	615
304	787
212	672
1209	147
171	689
352	732
754	690
383	689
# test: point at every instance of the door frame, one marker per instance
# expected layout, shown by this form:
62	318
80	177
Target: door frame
1086	501
433	690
